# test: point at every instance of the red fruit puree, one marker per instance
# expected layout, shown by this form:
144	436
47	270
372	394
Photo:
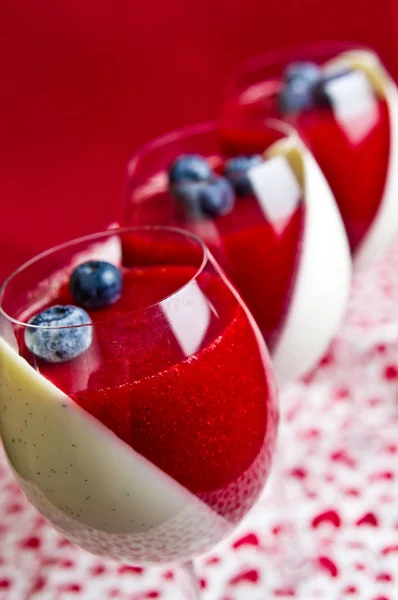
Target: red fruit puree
354	165
207	420
262	257
355	170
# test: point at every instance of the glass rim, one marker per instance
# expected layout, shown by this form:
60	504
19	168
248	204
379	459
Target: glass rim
260	61
167	138
196	129
94	237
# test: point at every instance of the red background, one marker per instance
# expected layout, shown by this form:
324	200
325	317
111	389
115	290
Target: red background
86	81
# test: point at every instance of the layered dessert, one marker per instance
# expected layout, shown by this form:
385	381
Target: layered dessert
346	109
270	220
137	408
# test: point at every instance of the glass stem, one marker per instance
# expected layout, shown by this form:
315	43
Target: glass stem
194	583
293	558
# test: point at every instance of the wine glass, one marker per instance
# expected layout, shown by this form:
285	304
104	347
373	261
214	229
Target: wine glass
348	117
137	402
344	104
281	240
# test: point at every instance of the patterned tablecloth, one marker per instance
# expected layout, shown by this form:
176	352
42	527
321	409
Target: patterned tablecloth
327	524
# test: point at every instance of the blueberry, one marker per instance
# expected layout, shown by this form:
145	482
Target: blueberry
300	80
236	169
188	195
189	168
295	97
96	283
216	198
309	72
57	337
